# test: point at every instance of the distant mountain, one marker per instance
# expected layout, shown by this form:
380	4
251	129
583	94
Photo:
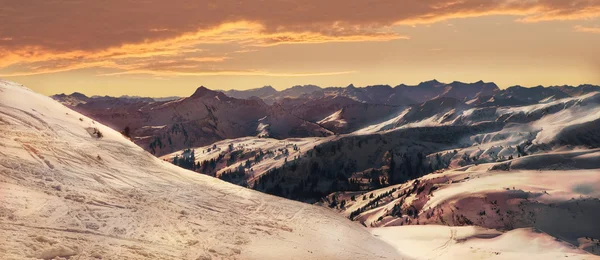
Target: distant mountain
423	91
450	111
429	90
73	99
76	98
439	110
465	91
477	93
209	116
400	95
271	95
338	113
534	94
577	91
264	93
315	108
297	91
205	117
376	94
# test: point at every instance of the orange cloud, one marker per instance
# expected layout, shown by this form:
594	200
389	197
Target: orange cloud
127	35
179	51
208	59
584	29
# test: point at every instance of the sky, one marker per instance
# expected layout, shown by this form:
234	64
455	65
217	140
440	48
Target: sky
165	48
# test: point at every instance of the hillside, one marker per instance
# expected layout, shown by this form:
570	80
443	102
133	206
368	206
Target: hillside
539	169
562	202
70	192
337	113
438	134
203	118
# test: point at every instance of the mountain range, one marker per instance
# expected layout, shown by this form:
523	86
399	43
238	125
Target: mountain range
164	126
508	173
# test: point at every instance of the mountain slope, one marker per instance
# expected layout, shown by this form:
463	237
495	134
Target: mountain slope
67	191
338	113
561	202
265	93
203	118
271	95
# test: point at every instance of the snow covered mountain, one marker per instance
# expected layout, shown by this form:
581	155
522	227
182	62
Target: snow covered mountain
203	118
489	182
73	188
163	127
528	173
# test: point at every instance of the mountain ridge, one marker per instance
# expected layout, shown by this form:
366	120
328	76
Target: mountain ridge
208	116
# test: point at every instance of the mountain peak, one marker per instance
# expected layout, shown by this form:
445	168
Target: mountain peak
270	88
202	91
78	95
431	83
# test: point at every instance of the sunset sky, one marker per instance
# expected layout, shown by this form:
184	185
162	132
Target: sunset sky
164	48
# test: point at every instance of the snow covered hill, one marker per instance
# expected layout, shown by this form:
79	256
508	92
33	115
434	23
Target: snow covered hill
562	203
73	188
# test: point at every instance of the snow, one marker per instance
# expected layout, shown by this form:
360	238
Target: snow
154	126
557	192
560	185
336	119
262	129
254	144
65	193
443	242
381	126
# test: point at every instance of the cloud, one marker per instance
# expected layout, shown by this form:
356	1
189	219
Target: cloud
122	34
178	53
584	29
208	59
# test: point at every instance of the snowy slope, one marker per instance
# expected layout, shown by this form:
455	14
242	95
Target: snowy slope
468	242
549	118
560	202
254	144
66	193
